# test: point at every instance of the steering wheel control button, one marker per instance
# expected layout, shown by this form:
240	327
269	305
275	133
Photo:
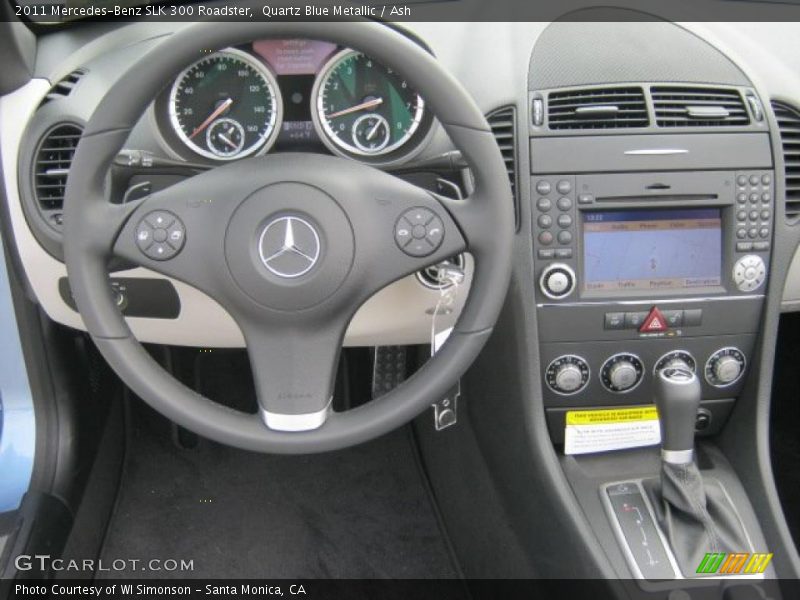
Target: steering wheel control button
419	232
160	235
725	367
622	373
557	281
567	374
749	273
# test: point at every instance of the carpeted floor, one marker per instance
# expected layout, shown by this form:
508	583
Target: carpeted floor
358	513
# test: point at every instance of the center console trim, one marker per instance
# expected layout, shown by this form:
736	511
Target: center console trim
654	586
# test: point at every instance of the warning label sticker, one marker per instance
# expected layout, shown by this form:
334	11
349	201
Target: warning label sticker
602	430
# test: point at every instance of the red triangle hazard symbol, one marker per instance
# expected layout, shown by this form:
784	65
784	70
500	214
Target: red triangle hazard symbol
654	322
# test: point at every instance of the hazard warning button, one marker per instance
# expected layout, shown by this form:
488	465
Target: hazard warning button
654	322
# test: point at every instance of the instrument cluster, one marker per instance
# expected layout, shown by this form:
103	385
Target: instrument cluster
291	95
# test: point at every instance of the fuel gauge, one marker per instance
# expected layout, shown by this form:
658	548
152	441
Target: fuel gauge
371	133
225	137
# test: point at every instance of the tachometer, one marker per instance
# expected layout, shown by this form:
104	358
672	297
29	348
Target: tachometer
364	108
226	106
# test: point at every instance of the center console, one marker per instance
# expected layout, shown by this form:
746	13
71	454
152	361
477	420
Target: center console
639	271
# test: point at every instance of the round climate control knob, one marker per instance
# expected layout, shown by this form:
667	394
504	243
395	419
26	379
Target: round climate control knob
557	281
567	374
622	372
749	273
678	359
725	367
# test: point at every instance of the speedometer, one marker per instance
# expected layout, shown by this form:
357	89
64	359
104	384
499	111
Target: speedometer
364	108
226	106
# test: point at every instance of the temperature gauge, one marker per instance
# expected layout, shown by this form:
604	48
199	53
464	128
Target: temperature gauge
225	137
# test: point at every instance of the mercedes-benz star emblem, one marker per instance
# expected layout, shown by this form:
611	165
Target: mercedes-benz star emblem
289	247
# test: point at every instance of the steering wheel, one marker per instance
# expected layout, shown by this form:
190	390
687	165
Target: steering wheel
290	245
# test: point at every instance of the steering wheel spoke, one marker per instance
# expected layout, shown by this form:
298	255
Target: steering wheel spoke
294	369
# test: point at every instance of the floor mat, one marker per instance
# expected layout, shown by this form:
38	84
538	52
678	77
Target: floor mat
363	512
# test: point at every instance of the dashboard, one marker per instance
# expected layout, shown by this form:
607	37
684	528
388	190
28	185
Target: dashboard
274	96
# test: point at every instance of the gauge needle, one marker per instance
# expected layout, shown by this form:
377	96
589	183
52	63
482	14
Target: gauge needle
217	112
368	104
371	132
227	140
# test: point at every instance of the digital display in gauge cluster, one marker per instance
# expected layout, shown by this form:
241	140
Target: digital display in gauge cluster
295	95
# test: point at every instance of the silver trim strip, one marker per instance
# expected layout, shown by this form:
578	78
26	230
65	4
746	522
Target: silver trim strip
651	301
677	457
656	151
299	422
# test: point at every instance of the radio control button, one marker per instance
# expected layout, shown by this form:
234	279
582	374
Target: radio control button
545	238
563	252
564	204
585	199
749	273
753	215
763	232
742	180
544	204
765	197
741	233
741	198
557	281
564	237
765	214
760	246
754	179
754	197
741	215
564	221
564	187
546	253
766	179
752	232
745	246
543	187
545	221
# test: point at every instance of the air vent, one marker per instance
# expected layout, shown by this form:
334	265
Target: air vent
607	108
698	107
51	167
789	124
64	88
503	125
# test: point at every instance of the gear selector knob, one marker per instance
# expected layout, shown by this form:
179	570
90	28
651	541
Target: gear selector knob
677	396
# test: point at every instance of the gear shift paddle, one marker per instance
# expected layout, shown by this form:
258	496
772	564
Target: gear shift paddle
677	396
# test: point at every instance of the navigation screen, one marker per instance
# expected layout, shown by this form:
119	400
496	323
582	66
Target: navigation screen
652	249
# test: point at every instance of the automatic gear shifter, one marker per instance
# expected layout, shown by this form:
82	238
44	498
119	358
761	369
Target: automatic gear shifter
677	395
695	514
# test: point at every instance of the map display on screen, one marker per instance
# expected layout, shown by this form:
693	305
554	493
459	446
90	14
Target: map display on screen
652	249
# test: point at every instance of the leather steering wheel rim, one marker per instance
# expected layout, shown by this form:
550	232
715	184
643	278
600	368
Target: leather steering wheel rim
94	228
